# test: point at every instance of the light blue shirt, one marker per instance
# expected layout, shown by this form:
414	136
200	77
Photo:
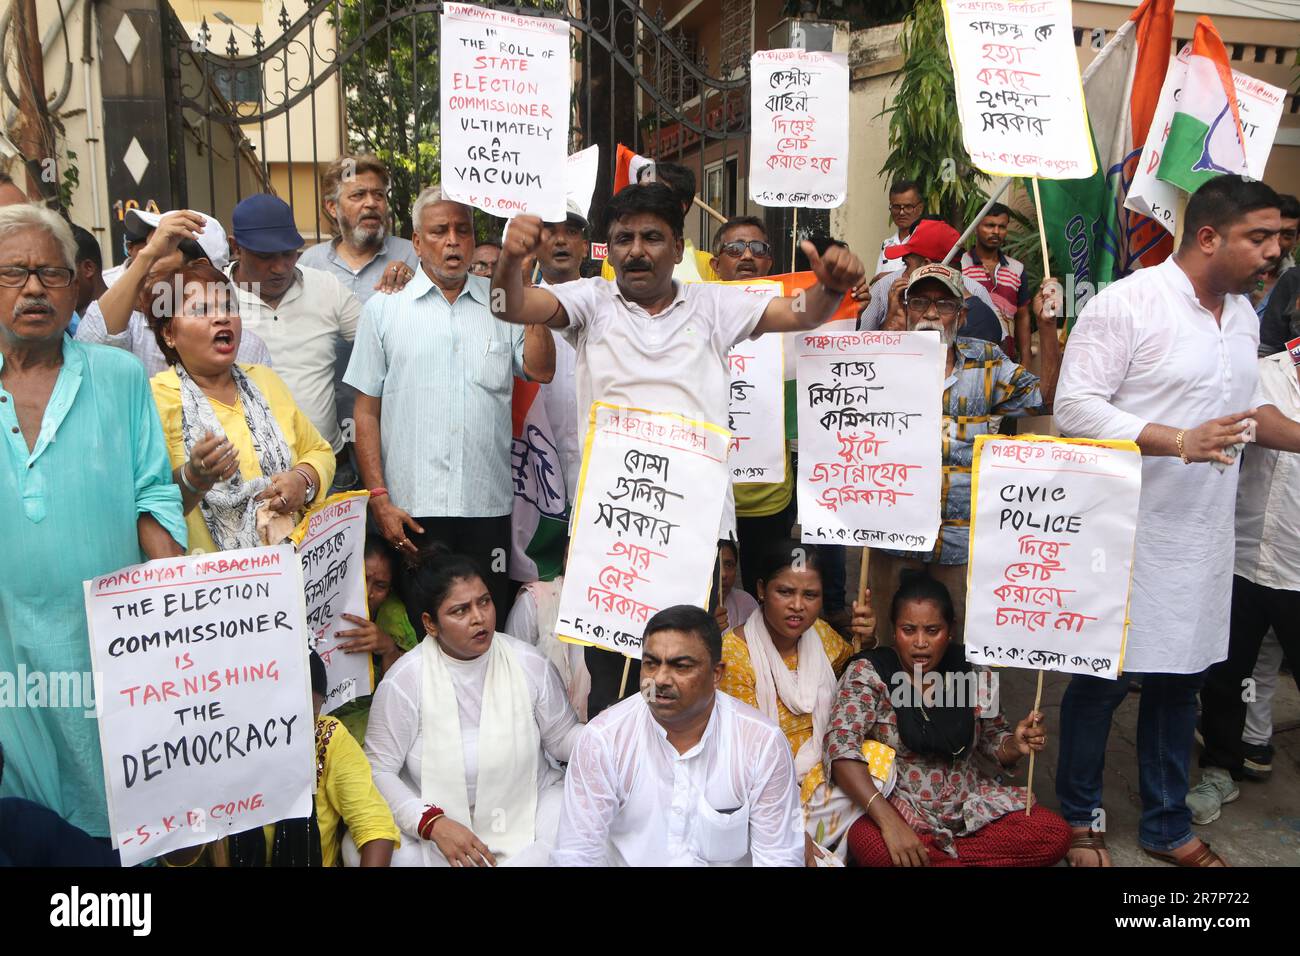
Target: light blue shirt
445	374
361	281
69	509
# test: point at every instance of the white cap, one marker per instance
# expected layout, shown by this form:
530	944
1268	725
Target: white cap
212	238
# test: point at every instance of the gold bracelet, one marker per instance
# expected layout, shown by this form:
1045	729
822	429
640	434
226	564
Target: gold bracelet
1178	440
867	810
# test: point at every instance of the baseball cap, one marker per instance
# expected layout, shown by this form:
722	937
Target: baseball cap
264	223
574	214
138	223
947	275
931	239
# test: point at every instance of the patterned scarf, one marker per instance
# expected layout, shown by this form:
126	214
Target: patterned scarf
230	507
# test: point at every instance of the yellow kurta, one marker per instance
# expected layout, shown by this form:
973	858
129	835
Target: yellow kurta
346	794
738	681
305	443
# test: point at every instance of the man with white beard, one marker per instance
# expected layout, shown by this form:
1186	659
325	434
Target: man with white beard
980	385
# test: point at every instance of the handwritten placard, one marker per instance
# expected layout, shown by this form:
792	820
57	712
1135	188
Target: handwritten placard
1053	522
331	546
870	410
1019	96
505	111
644	532
756	415
799	148
206	721
1259	105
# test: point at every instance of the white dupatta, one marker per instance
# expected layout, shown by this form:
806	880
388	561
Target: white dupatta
808	690
505	801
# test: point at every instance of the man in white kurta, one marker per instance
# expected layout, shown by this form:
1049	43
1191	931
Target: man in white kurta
395	746
694	779
1166	358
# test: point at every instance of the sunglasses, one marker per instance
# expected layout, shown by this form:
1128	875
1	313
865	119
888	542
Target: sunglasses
736	248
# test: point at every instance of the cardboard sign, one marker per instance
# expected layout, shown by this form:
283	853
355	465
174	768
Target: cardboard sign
799	149
1019	95
331	543
644	534
870	424
756	415
205	705
1259	105
1053	525
505	111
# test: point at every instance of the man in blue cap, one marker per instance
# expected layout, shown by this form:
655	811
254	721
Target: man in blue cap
303	315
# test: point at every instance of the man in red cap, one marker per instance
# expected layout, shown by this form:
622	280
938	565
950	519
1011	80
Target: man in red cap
931	241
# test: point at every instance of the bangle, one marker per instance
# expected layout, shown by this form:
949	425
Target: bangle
310	491
186	482
376	492
1178	440
867	809
430	816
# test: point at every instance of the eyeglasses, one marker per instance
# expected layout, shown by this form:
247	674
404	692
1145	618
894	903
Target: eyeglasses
51	277
903	207
736	248
920	304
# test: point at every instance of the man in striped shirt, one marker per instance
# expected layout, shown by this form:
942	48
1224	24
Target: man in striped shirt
1002	276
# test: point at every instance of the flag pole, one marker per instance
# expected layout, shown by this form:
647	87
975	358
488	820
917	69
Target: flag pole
1042	230
794	237
862	588
979	216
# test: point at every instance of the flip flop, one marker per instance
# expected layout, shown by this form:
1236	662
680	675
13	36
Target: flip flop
1205	857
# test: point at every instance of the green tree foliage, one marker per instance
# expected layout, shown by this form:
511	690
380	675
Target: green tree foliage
924	132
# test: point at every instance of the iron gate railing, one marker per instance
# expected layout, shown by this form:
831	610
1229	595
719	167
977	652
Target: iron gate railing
634	83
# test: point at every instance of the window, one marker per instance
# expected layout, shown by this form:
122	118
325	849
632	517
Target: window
720	186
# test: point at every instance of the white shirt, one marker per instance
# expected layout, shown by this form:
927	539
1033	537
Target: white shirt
1144	351
630	799
675	361
1268	492
395	735
303	333
884	265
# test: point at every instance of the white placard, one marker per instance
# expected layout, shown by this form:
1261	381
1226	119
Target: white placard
870	428
756	415
1019	95
1053	523
644	533
332	544
583	168
205	701
505	111
799	148
1260	107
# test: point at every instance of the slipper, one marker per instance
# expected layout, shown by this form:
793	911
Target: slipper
1206	857
1087	840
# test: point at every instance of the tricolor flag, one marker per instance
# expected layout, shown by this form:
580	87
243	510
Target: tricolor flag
1205	138
539	521
628	167
1093	239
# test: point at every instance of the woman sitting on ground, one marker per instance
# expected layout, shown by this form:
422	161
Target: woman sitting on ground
784	660
460	730
943	811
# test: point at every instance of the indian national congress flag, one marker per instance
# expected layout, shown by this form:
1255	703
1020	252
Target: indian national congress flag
1205	138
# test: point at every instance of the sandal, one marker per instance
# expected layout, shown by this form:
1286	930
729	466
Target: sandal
1088	839
1205	857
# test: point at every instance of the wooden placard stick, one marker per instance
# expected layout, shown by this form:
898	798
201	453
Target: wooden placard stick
1029	784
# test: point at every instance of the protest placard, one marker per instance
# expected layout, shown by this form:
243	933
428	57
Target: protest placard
505	111
799	148
645	523
1019	96
756	415
331	543
1053	523
870	408
1259	105
205	717
580	178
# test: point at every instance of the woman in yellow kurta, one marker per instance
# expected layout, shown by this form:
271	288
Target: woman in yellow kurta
786	662
242	451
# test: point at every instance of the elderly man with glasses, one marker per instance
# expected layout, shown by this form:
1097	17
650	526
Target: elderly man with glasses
87	489
980	385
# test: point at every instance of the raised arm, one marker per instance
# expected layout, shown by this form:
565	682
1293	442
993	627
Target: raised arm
119	301
837	273
512	301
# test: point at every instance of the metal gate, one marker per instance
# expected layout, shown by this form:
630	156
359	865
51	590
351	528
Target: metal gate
371	66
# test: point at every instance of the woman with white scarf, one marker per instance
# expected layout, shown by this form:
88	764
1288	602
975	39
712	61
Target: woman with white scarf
461	728
248	461
785	661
